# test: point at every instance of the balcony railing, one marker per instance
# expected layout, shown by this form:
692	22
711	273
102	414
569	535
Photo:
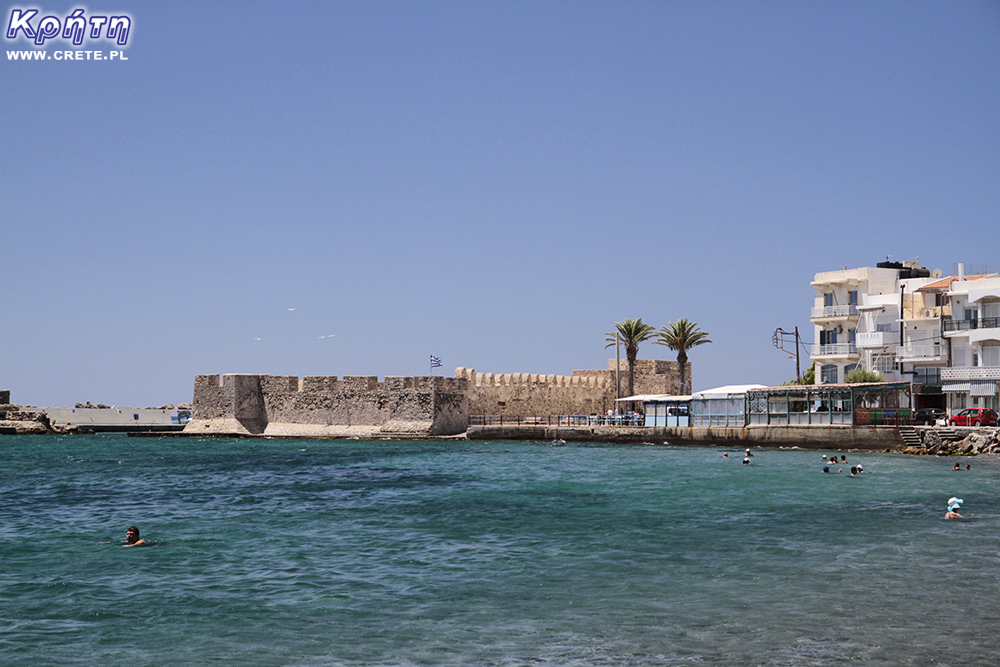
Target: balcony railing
971	373
928	351
968	325
630	419
877	338
834	350
834	311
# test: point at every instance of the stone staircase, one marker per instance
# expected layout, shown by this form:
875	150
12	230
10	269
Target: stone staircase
950	433
910	437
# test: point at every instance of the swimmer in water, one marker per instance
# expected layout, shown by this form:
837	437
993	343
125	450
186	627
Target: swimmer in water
132	538
953	505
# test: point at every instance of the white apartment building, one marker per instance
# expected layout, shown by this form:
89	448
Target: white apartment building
909	324
973	336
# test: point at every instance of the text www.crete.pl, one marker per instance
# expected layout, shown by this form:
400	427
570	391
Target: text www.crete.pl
41	54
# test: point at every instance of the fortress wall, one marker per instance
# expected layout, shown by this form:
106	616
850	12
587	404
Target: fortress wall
531	395
429	405
583	392
451	406
652	376
256	404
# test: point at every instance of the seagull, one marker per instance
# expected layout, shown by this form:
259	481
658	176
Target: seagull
256	338
289	309
327	336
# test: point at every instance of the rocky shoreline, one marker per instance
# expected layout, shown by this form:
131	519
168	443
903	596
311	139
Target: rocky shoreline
954	441
20	420
28	420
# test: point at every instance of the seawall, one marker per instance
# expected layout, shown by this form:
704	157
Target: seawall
874	438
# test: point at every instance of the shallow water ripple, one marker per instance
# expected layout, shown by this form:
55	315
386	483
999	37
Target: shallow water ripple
458	553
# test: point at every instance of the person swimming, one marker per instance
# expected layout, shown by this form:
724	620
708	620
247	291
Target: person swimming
953	505
132	538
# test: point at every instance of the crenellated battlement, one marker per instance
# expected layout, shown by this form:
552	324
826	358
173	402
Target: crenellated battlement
530	379
322	383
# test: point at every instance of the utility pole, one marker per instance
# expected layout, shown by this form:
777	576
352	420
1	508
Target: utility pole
618	370
779	342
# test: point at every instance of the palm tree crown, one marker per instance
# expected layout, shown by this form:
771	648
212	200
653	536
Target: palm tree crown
682	335
630	332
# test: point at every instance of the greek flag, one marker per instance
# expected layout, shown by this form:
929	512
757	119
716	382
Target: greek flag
435	362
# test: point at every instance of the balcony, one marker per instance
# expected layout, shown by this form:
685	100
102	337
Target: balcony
918	352
877	338
834	350
968	325
828	312
971	373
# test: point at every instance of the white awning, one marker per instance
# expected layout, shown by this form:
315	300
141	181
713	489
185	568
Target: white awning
650	398
956	387
983	388
980	294
728	390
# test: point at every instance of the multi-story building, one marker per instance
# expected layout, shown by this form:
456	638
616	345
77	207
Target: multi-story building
857	318
973	337
908	323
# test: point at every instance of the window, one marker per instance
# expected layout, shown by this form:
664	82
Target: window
971	314
991	354
991	309
852	297
852	337
828	374
883	363
828	299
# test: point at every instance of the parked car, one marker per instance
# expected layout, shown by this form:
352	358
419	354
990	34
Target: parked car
974	417
929	416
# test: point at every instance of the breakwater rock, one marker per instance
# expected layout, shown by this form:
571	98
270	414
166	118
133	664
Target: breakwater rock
954	441
17	419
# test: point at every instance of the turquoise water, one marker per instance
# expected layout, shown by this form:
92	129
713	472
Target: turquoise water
307	552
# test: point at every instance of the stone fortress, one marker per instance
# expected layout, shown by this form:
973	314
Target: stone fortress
363	406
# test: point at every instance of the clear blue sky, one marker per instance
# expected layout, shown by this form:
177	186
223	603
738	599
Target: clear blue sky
494	183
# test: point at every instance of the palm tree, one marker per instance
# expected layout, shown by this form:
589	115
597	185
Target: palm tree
630	332
682	335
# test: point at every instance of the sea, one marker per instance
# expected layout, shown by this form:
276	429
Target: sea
372	552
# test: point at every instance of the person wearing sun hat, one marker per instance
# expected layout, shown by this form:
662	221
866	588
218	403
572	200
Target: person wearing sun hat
953	505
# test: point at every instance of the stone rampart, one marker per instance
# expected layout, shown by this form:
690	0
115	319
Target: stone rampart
530	394
652	376
583	392
246	404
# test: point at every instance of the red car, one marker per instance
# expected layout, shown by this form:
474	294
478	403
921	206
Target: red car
974	417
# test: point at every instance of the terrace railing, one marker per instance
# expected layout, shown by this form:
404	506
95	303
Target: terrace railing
631	420
967	325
